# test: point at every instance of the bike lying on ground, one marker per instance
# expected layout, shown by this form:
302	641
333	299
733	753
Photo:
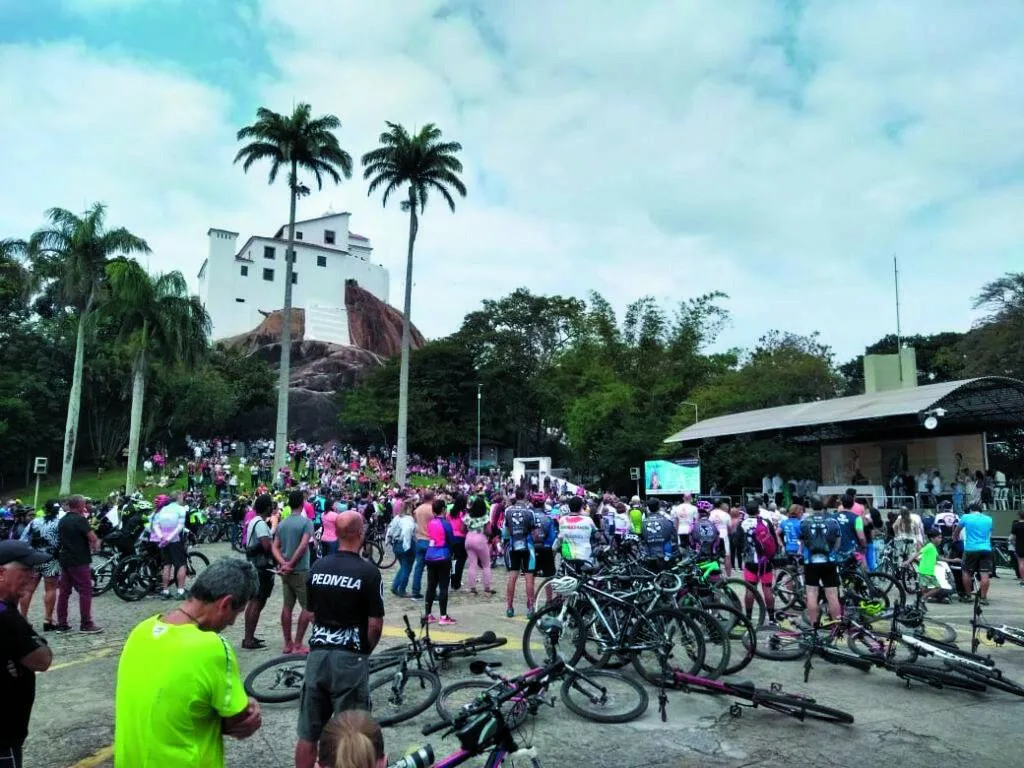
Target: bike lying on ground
280	679
1000	635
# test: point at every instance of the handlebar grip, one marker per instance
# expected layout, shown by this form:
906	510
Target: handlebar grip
430	728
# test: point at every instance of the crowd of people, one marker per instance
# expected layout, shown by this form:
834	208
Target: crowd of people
305	526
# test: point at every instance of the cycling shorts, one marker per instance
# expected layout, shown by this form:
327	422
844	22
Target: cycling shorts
824	575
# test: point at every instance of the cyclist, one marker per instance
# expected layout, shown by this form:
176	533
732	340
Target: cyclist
851	529
542	540
722	520
704	537
658	534
926	561
576	531
517	531
760	543
685	515
636	515
790	529
821	537
166	527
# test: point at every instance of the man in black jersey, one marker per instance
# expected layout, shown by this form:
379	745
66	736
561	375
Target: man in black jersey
346	597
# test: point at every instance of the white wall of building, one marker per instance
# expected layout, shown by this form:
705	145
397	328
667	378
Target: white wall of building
237	283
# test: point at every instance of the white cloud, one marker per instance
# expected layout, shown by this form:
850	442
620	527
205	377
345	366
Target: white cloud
668	148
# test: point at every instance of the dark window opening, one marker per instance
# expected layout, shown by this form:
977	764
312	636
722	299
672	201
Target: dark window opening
295	277
245	271
329	236
268	252
268	274
240	301
298	235
321	261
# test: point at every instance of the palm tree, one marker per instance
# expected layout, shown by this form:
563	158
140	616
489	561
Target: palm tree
297	142
426	164
74	251
16	280
155	317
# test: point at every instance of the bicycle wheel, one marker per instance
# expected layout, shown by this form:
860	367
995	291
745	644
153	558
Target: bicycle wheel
717	645
742	636
779	643
195	563
387	557
129	582
277	680
666	640
936	678
570	641
398	697
465	694
874	646
604	697
882	586
800	708
102	573
788	589
932	629
596	636
738	594
993	681
373	552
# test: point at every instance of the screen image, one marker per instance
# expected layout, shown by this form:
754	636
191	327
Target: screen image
672	477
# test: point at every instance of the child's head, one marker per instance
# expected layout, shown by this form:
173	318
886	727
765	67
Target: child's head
935	535
351	739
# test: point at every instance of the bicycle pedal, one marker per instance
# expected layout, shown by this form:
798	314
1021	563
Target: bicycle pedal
776	687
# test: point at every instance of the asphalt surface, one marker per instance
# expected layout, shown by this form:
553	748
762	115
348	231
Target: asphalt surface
72	723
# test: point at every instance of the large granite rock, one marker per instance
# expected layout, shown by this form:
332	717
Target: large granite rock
319	370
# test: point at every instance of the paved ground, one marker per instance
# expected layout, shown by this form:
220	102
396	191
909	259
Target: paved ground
73	718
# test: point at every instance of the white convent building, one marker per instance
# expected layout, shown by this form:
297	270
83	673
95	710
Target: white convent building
237	285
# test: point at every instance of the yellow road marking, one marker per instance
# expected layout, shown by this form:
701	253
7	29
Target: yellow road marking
101	653
95	758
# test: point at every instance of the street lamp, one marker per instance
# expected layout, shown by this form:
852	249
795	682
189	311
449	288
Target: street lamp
694	406
479	398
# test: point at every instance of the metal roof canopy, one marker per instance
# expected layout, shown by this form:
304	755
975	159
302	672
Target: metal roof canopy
971	405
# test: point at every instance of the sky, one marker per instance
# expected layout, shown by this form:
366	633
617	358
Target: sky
781	151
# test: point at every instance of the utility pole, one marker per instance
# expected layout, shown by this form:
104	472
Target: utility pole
899	336
479	399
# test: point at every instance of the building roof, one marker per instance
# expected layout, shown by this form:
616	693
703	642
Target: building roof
975	403
354	236
317	218
278	241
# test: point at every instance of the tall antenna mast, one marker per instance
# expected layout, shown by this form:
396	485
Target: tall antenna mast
899	335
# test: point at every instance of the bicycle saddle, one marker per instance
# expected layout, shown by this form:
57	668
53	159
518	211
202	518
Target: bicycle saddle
479	666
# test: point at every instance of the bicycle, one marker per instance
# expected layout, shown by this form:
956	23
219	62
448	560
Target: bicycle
998	634
283	676
141	574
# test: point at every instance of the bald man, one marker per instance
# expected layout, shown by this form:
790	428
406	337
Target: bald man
346	596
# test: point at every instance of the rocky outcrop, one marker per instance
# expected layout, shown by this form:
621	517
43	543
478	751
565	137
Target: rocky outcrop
319	370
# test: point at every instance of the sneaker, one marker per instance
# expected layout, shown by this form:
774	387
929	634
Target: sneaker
446	620
965	599
494	591
165	594
90	629
62	628
529	611
401	594
472	590
181	594
510	612
49	626
416	596
431	619
984	601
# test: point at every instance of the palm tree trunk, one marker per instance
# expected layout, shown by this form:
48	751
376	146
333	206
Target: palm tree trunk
135	427
281	434
402	458
74	403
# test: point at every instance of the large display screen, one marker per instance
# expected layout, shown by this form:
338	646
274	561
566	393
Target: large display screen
677	476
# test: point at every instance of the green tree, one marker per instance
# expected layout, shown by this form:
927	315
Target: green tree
156	317
73	252
425	164
296	142
995	345
938	356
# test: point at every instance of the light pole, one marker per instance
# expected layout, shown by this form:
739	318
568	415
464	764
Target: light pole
479	398
696	418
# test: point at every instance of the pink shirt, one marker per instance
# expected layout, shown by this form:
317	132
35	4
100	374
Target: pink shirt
458	526
307	507
435	532
329	533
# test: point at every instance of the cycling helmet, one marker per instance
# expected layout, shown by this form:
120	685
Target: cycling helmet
564	585
945	506
704	507
161	501
536	498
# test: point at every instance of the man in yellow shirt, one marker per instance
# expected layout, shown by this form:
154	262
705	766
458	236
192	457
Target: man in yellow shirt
179	691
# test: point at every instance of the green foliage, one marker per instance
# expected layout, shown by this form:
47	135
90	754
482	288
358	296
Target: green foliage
422	161
939	359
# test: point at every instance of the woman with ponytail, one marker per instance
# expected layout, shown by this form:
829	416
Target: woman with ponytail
351	739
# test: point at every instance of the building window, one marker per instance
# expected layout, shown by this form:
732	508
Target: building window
240	301
245	271
329	236
321	261
268	252
268	274
298	235
295	277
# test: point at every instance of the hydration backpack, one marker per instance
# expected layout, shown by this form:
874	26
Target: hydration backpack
764	541
705	536
818	536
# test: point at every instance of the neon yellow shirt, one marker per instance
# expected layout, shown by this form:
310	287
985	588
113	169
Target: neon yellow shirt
174	684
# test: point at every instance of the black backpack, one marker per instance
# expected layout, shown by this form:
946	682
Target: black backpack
817	536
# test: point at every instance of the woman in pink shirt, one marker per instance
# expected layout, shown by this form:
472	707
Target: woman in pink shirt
455	515
329	534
